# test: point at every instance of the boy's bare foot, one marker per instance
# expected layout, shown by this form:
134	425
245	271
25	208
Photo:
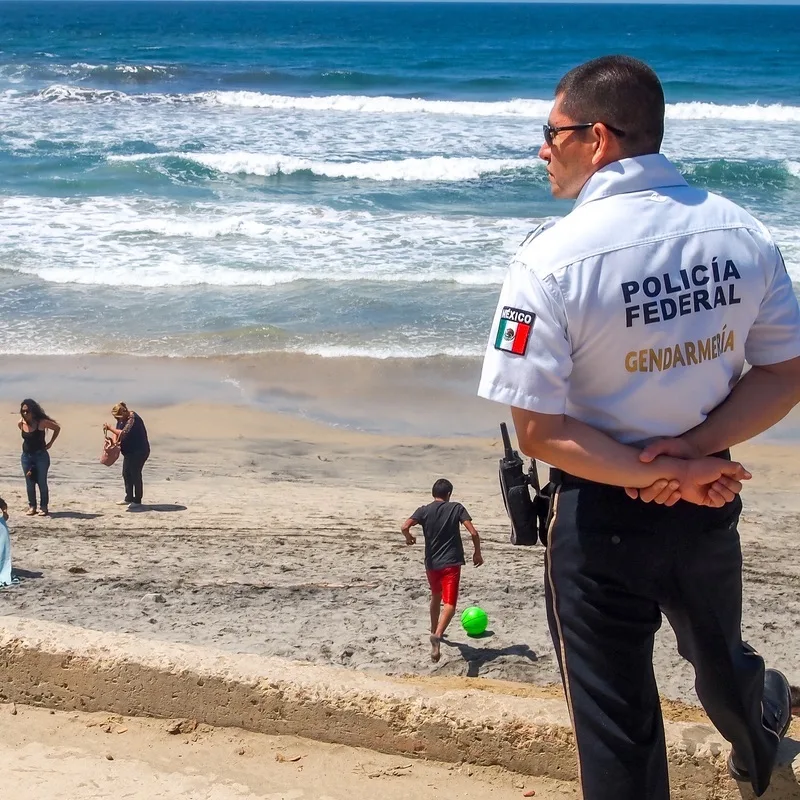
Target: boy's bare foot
30	512
436	649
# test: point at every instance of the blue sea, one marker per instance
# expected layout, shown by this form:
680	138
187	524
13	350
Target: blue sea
340	179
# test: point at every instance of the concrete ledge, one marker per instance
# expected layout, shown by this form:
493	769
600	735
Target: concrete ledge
67	668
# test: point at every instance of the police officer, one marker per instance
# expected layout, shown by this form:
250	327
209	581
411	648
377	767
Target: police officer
625	322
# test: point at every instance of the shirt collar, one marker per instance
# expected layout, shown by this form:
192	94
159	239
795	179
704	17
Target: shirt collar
630	175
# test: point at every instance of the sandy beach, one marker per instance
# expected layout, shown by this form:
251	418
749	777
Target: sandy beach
61	755
272	534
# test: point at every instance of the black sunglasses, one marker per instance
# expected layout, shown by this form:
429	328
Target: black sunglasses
550	131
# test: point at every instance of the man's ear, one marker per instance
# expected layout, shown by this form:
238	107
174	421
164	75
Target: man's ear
605	147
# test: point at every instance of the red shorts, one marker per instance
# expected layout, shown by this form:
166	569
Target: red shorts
445	582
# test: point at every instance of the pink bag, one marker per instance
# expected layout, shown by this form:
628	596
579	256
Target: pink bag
110	452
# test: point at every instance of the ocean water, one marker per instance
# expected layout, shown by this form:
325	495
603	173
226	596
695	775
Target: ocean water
202	179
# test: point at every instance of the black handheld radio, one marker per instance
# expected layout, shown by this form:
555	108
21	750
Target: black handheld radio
528	515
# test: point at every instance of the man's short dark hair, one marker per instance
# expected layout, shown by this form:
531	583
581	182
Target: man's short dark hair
442	489
622	92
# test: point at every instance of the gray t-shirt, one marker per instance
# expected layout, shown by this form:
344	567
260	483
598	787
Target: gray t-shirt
440	526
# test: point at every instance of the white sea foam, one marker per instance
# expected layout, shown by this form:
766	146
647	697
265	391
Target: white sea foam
520	107
80	70
170	271
175	349
435	168
340	137
361	104
124	69
60	93
173	272
197	228
753	112
384	352
378	105
152	244
788	239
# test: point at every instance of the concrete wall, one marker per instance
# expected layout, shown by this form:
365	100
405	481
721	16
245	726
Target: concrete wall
67	668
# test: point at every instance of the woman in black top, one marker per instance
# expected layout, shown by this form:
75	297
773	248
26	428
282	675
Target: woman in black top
33	425
131	435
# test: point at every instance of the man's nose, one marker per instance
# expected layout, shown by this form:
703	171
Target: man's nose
544	152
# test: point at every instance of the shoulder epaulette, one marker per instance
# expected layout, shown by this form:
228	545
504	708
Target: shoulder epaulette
536	231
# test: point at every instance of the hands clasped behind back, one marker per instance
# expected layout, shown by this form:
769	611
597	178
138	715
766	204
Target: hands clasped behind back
705	481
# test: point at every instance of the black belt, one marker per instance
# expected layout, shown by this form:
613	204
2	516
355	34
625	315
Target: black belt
560	478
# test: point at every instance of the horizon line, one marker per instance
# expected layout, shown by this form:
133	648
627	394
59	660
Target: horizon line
718	3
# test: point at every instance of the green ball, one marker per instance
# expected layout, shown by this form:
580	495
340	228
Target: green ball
474	620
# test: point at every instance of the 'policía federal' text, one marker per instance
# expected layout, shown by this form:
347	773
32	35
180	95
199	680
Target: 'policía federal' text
690	290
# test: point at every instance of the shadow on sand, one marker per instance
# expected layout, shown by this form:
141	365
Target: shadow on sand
477	657
156	507
73	515
25	574
784	784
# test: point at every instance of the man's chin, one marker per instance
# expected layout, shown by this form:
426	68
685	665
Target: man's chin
560	193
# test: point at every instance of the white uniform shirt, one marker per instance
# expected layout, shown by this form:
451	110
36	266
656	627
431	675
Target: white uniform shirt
636	312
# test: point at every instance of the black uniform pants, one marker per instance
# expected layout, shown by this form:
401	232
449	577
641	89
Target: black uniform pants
613	565
132	466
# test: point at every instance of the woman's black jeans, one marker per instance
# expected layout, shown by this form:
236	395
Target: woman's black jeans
132	465
39	462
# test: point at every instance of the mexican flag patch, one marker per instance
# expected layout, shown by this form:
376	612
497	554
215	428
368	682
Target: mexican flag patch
514	330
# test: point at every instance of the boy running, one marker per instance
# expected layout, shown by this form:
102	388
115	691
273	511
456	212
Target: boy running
444	554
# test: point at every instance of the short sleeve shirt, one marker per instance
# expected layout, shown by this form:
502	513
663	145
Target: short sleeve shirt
637	311
440	523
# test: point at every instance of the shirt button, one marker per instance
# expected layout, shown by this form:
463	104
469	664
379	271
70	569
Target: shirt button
615	539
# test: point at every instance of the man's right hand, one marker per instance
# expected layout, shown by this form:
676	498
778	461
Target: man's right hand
665	492
710	481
